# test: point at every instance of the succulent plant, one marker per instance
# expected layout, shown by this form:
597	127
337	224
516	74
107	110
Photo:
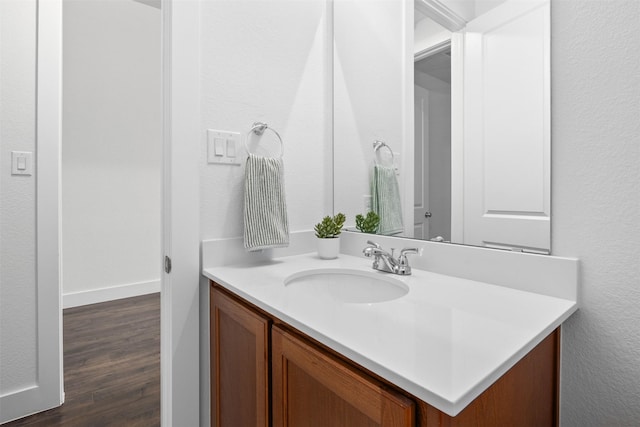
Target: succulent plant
368	224
330	227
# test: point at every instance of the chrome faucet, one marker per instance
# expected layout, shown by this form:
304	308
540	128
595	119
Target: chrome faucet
385	261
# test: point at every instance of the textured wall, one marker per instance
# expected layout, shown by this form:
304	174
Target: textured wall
265	61
17	196
112	144
596	204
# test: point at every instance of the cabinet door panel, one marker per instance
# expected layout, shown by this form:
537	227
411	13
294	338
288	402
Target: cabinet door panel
312	389
239	364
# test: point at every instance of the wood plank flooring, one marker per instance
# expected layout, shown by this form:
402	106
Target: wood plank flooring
111	366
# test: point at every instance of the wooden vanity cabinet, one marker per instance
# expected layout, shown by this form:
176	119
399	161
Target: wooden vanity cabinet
263	372
239	344
312	389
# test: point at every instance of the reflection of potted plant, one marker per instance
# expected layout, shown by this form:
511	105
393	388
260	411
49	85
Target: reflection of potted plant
368	224
328	234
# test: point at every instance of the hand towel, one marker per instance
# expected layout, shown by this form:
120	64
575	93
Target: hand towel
265	209
385	200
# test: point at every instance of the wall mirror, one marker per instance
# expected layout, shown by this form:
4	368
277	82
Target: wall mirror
459	93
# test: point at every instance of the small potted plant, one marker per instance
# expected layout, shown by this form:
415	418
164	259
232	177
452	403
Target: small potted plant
368	224
328	234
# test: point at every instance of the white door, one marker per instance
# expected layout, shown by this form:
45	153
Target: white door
37	370
421	168
180	343
506	127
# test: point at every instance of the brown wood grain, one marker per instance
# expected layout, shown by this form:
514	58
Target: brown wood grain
239	364
111	366
311	388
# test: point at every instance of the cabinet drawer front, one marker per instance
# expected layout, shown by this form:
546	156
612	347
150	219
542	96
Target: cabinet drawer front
239	364
312	389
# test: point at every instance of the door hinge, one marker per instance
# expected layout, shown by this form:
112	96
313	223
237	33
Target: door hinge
167	264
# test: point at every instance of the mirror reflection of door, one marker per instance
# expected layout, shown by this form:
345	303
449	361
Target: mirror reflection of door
432	168
507	133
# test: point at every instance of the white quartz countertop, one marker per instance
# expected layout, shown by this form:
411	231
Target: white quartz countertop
445	341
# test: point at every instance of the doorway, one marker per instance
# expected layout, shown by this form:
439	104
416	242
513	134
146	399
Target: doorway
90	166
111	187
111	150
432	191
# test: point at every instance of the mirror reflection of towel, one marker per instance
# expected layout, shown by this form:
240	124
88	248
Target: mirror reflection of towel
385	200
265	209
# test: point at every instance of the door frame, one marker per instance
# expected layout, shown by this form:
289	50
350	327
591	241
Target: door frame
49	224
179	323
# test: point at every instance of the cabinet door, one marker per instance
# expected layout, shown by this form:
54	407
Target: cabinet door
239	364
311	389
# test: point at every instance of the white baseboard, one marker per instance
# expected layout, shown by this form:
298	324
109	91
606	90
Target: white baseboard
93	296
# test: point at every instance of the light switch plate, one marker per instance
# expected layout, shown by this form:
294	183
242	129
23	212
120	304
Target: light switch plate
21	163
224	147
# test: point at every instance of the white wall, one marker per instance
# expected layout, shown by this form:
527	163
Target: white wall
428	33
18	287
465	9
596	204
470	9
111	150
368	98
482	6
265	61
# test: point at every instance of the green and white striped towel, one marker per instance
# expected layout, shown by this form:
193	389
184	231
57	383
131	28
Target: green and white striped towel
385	200
265	209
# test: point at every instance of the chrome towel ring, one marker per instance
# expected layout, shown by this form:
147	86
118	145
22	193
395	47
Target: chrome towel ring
258	128
377	145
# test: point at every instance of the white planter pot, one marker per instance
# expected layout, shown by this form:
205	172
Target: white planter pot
328	248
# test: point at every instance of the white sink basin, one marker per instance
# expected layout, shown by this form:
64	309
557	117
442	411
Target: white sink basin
347	285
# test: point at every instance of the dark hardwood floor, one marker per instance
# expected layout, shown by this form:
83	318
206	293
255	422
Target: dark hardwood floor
111	366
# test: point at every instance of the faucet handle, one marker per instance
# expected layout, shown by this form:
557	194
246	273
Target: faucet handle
374	244
403	262
406	251
371	248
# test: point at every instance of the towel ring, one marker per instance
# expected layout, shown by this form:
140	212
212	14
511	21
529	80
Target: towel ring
377	145
258	128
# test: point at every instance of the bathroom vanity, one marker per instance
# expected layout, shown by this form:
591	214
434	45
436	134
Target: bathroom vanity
444	352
